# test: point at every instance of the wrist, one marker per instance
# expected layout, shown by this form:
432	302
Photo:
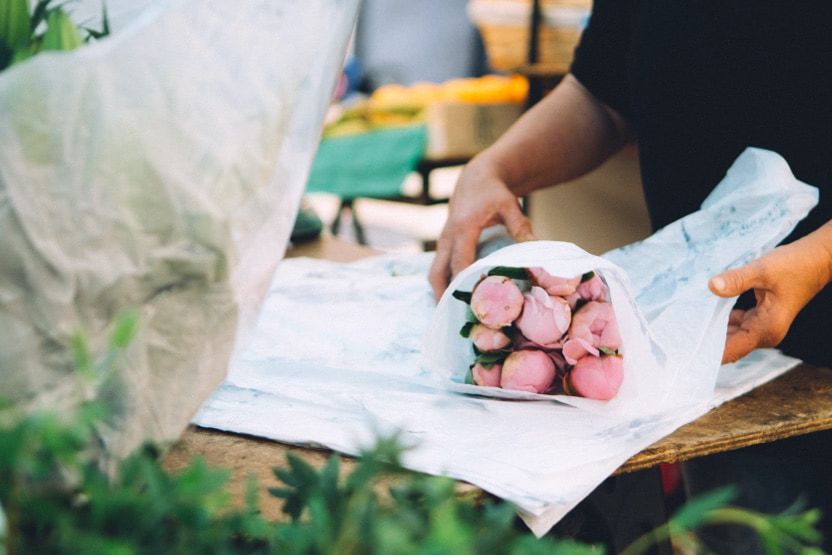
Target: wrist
815	252
508	170
486	168
823	237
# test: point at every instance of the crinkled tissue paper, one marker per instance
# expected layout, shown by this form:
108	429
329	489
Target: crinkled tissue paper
344	351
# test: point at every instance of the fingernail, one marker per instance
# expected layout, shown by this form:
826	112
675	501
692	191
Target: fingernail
718	283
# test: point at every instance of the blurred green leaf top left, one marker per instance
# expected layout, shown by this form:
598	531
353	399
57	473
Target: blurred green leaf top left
26	30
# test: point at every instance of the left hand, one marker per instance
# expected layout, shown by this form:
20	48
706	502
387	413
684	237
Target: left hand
784	281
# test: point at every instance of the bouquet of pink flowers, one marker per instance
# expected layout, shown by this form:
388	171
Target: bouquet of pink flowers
536	332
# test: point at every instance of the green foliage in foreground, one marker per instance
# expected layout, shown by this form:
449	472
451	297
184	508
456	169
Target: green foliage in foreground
54	499
26	30
57	501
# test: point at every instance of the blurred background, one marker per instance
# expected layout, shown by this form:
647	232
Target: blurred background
429	83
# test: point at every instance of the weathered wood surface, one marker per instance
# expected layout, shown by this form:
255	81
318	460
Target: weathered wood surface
799	402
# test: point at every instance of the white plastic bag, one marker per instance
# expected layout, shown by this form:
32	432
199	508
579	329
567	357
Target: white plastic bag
161	169
672	327
450	355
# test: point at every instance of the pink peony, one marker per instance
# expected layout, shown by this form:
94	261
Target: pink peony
545	319
596	377
487	376
487	340
595	323
557	286
576	349
496	301
528	370
593	289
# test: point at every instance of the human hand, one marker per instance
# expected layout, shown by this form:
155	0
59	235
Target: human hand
784	281
481	199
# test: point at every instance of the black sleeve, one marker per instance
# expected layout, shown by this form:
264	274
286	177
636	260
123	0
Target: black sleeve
600	62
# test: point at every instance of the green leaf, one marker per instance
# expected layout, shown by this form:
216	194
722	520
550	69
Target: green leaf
490	359
61	33
39	14
608	351
21	55
463	296
469	376
14	24
105	25
696	510
124	329
509	272
329	483
587	276
81	357
466	329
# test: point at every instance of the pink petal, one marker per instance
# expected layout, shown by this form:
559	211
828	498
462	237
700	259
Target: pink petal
597	377
575	349
554	285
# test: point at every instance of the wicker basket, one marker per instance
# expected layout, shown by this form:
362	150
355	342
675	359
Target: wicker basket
504	25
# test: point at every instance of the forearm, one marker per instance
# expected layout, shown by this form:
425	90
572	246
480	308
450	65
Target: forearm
816	248
564	136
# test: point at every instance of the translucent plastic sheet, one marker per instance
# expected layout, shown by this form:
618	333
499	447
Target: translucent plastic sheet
161	169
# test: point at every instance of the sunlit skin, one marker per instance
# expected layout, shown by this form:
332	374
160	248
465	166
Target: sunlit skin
566	135
784	281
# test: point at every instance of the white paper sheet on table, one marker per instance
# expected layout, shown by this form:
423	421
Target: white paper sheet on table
336	357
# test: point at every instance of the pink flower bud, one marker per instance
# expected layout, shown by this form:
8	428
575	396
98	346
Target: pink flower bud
576	349
597	377
545	319
595	323
557	286
528	370
593	289
488	340
487	376
496	301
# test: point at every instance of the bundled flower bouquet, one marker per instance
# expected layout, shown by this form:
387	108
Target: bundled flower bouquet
536	332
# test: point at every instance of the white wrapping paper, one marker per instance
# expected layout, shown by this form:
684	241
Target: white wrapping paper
336	357
160	168
449	354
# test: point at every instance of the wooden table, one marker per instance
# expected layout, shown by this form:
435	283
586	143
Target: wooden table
799	402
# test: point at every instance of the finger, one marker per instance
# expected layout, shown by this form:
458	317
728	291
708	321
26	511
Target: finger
742	341
464	249
737	316
732	283
517	224
440	271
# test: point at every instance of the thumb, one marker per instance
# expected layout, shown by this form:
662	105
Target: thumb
517	224
733	283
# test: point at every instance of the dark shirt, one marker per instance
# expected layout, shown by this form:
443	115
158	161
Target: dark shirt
701	80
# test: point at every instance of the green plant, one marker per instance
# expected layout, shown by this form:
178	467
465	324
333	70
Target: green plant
25	32
56	499
792	531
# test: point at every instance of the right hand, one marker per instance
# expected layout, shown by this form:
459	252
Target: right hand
481	199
